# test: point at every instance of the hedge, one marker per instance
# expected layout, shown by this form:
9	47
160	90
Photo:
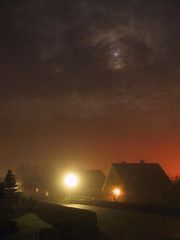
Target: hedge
135	207
71	223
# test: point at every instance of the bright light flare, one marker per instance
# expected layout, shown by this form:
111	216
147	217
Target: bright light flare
117	192
71	180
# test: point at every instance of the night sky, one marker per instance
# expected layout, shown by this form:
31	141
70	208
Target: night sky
84	83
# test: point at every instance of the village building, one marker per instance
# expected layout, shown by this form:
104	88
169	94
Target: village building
91	182
137	182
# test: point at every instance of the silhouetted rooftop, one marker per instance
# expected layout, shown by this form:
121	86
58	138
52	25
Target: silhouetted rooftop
139	177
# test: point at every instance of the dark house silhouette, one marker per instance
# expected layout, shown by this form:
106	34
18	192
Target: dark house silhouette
91	182
140	182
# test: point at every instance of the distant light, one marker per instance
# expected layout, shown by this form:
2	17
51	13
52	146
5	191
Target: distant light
37	189
71	180
116	54
19	187
46	193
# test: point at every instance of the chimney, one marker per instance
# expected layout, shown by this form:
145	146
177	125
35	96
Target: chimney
142	161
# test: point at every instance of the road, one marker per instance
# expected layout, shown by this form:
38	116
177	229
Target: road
118	224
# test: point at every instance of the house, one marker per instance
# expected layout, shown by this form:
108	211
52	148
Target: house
91	182
140	182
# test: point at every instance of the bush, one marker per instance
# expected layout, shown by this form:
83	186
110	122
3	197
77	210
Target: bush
31	204
24	203
3	221
52	213
11	227
49	233
6	225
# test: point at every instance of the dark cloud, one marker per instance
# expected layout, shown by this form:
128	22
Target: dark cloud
68	66
62	31
89	49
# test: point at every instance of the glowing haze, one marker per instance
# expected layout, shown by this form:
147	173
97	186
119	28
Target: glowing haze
90	82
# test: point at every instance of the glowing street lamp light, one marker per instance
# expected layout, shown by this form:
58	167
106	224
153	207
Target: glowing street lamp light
71	180
117	192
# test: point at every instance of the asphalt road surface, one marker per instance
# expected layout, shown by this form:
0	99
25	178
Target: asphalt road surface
118	224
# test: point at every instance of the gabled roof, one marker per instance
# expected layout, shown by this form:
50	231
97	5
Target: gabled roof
139	177
141	174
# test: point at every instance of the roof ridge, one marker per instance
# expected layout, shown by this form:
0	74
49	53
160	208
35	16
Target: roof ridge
134	163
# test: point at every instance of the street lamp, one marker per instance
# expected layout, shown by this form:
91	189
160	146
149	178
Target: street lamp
71	180
117	192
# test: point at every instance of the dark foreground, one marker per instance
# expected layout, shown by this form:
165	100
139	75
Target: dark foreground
118	224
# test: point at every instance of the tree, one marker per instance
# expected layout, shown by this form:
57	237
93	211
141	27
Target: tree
10	183
2	190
